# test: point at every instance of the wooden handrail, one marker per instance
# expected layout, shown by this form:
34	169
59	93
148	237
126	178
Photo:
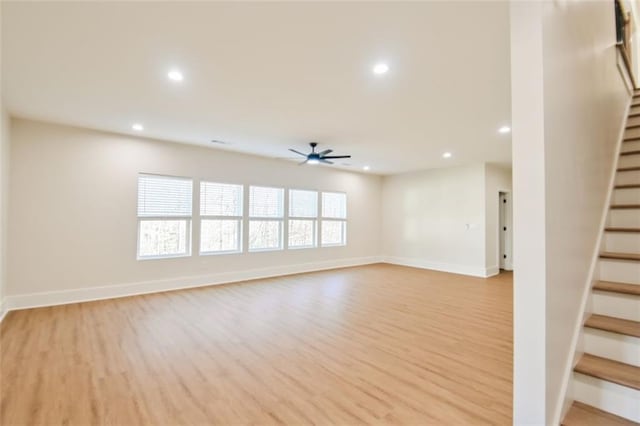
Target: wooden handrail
624	32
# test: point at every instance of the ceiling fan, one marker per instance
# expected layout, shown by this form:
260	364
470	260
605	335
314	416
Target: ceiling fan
318	157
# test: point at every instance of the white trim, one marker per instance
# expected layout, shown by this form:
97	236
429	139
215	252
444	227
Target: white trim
492	271
63	297
507	264
3	309
475	271
562	406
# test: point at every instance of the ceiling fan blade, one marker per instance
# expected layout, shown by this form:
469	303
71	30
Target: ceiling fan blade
297	152
325	152
304	162
337	156
322	160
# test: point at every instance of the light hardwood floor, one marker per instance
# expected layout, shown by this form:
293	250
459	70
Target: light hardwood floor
375	344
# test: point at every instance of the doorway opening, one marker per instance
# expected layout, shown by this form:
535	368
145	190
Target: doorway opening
505	232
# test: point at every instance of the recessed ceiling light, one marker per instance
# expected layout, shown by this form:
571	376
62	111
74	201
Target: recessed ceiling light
175	75
366	168
380	68
137	127
504	129
446	155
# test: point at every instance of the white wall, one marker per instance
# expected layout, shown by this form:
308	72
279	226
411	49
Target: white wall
73	201
568	104
497	179
436	219
4	188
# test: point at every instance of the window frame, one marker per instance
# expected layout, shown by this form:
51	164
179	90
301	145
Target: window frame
238	219
280	220
187	219
313	219
343	220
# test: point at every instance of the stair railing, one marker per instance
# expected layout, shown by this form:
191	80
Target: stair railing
624	32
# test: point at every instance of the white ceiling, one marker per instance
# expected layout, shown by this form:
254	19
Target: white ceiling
266	77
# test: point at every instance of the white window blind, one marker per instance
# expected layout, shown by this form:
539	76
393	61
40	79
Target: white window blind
266	202
164	196
334	215
334	205
303	213
221	218
164	216
266	213
303	203
220	199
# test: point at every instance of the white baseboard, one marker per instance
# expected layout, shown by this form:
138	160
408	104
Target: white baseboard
3	309
492	271
63	297
475	271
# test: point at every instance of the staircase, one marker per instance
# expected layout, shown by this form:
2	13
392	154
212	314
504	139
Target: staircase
606	379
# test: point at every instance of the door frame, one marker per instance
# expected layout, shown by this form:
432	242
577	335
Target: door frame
505	218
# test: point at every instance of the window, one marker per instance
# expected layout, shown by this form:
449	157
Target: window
303	214
266	216
334	219
221	218
164	216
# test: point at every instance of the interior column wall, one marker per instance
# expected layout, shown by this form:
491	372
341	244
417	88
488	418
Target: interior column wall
568	104
4	190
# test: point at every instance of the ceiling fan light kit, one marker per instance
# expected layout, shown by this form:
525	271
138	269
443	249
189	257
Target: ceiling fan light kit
318	157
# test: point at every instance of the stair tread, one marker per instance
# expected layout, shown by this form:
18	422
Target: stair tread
635	152
628	169
614	325
625	206
616	229
581	414
609	370
625	288
631	139
621	256
634	126
627	186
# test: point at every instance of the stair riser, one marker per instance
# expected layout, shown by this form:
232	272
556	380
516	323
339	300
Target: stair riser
626	196
632	121
619	271
612	346
622	242
625	218
629	160
631	146
607	396
635	110
626	178
632	133
624	306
